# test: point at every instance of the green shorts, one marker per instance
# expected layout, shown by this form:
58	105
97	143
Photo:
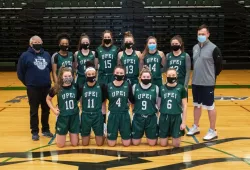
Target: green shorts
105	79
169	126
157	81
80	80
132	80
91	120
119	122
147	123
65	124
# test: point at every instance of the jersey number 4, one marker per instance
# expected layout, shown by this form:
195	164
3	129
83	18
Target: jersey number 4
152	67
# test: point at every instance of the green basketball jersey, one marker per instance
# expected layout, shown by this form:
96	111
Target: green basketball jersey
64	61
153	61
179	64
145	100
67	101
118	97
82	59
92	98
107	59
131	64
171	99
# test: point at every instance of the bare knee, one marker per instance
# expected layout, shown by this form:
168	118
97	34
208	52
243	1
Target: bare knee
126	143
60	145
136	142
111	143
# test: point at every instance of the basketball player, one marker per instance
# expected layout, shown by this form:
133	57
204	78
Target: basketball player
179	60
154	59
130	59
93	97
145	110
107	58
63	57
119	94
67	111
173	110
83	55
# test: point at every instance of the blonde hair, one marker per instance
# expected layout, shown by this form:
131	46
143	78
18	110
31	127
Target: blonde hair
172	69
107	31
59	84
128	34
145	69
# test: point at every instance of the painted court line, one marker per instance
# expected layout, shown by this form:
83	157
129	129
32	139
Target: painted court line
194	137
3	109
245	108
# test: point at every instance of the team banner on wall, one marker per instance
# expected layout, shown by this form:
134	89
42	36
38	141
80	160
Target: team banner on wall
226	98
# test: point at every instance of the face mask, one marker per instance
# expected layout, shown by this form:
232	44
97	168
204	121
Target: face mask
171	80
85	46
107	41
37	47
119	77
152	47
128	45
175	47
146	81
202	38
91	79
68	80
64	47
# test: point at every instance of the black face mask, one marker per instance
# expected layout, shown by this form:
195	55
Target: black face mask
128	45
119	77
85	46
64	47
175	47
37	47
171	80
146	81
107	41
91	79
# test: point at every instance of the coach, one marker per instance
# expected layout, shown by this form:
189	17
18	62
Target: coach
33	70
207	63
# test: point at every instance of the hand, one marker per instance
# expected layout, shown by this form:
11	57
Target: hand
56	111
183	126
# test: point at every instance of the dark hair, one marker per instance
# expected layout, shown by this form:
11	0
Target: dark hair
120	67
178	38
145	52
89	64
63	36
104	32
83	35
203	26
145	69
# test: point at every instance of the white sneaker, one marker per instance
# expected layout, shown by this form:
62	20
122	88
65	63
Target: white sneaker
193	130
105	129
211	134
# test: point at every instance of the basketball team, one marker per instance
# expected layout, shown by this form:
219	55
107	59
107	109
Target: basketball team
120	90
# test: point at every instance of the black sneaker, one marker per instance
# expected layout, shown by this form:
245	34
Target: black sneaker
47	134
35	137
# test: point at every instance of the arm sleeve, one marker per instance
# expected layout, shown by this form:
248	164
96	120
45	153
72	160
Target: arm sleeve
183	93
188	68
165	67
157	93
73	59
217	61
130	95
104	92
79	93
51	92
55	61
21	69
96	53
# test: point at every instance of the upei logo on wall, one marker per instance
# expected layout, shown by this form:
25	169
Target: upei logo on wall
40	62
230	98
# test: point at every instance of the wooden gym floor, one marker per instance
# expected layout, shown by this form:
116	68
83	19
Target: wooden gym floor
230	151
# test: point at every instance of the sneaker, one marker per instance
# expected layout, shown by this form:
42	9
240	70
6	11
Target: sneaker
193	130
47	134
105	129
35	137
211	134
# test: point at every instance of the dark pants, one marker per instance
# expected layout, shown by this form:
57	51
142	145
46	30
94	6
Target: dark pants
37	96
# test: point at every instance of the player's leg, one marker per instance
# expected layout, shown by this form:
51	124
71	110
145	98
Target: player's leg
85	128
151	129
97	125
176	132
112	128
208	103
137	128
74	129
163	129
125	129
61	130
